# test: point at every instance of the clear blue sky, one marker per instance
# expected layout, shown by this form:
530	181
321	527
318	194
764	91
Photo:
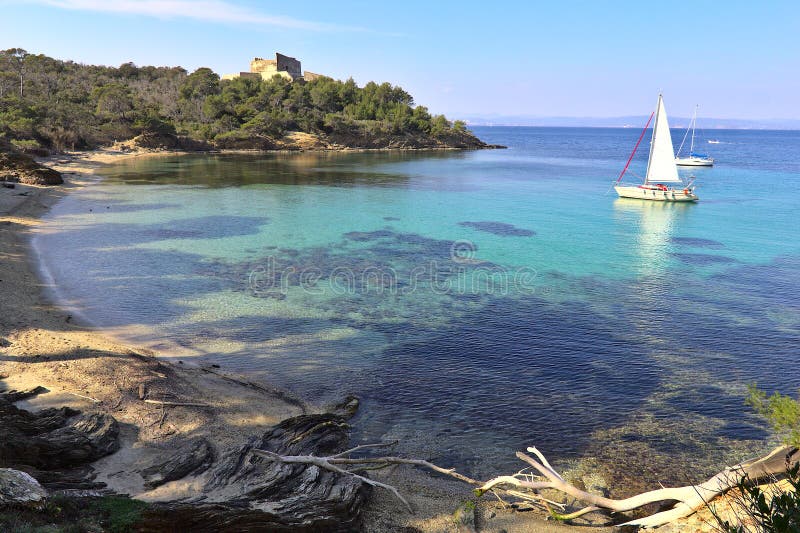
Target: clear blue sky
737	59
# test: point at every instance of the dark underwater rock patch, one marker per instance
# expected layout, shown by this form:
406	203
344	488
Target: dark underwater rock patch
208	227
703	259
696	242
363	236
166	233
408	246
498	228
369	264
130	208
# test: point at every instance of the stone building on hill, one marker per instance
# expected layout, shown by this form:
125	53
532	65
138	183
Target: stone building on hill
285	66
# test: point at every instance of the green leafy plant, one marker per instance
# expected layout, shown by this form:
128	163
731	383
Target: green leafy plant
120	513
782	412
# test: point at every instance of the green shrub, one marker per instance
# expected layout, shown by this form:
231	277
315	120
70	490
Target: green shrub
782	412
120	513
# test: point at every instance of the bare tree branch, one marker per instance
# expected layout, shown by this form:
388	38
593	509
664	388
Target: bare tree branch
366	446
325	463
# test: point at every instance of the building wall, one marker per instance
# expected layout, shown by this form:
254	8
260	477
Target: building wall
238	75
310	76
269	74
259	64
289	64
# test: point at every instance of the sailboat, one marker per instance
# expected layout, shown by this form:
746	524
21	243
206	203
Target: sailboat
693	159
661	169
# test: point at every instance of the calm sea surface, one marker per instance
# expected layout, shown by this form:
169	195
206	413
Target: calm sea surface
476	302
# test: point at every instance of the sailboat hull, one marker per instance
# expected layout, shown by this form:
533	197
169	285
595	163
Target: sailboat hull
656	195
694	162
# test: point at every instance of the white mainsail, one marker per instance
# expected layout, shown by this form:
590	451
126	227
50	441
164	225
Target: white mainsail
661	165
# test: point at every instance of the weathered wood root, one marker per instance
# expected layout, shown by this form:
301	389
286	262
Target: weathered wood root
175	404
688	499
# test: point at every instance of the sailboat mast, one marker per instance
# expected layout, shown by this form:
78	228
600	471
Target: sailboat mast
652	139
694	122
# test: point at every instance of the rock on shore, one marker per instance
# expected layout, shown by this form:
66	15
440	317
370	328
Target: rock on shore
18	167
52	443
20	489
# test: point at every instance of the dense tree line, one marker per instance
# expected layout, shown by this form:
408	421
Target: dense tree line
54	104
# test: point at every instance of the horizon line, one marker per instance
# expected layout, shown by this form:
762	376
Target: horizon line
610	127
499	116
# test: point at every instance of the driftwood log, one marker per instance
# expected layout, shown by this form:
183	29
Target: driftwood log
688	499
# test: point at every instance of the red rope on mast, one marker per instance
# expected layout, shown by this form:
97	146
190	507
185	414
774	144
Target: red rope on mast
635	147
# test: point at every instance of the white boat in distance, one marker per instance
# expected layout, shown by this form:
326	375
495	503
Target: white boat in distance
694	159
661	169
713	142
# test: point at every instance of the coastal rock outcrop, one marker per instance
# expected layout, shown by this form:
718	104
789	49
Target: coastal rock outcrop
54	445
245	493
238	140
168	141
54	448
194	456
243	141
408	141
18	167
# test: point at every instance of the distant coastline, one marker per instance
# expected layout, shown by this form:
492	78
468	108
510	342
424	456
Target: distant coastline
631	122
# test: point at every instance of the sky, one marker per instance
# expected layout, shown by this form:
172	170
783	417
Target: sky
605	58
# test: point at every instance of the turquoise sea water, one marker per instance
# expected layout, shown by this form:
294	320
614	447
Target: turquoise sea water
477	302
